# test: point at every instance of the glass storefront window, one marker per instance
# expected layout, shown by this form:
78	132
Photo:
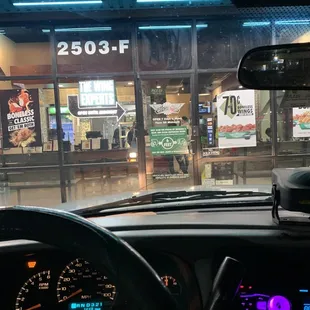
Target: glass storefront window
256	172
292	32
98	115
25	51
226	133
167	117
216	85
292	115
25	144
292	162
94	49
292	105
93	181
25	122
98	121
164	47
215	172
234	173
223	43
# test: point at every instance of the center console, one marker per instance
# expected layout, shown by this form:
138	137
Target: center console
279	281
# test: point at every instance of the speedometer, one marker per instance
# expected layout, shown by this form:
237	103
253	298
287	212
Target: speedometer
32	295
80	282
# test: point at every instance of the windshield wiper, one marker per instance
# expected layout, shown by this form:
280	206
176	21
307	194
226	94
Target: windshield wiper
196	195
166	197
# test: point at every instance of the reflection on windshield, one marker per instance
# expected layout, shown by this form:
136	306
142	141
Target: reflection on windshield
91	109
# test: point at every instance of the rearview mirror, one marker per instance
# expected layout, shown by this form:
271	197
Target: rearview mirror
276	67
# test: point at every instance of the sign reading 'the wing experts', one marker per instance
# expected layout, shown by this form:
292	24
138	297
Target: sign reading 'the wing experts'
96	99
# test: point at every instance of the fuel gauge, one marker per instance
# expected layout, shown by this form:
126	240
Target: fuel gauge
172	284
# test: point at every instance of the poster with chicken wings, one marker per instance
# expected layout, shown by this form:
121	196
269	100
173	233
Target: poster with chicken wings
236	119
301	122
20	117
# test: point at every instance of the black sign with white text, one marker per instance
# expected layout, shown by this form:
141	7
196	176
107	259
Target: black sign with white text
92	112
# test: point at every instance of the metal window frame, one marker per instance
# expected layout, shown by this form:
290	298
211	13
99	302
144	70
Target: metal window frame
195	107
274	109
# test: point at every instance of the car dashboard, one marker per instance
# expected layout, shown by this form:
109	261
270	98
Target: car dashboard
186	257
48	278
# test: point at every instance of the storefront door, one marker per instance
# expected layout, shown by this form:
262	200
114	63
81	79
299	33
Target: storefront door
167	122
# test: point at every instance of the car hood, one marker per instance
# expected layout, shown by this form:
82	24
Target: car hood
106	199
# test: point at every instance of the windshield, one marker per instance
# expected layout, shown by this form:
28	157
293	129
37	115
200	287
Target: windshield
102	98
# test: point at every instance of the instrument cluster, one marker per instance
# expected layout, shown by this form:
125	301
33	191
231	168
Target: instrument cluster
79	286
55	280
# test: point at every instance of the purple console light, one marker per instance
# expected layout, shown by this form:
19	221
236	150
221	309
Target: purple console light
253	295
261	305
279	303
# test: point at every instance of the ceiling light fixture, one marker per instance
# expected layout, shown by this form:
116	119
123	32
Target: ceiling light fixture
160	1
255	24
86	29
202	26
164	27
55	3
293	22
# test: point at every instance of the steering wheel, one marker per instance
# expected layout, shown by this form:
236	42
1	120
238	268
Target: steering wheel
108	253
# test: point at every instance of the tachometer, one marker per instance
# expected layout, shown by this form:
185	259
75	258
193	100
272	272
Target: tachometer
79	281
32	295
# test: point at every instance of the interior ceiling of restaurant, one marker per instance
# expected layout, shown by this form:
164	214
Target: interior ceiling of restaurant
127	9
12	19
7	5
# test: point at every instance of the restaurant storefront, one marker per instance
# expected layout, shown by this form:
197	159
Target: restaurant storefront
89	110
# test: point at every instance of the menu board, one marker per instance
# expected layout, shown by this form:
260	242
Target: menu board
236	119
20	115
301	122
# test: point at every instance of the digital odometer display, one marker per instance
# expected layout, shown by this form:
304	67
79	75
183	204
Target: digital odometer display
95	305
80	282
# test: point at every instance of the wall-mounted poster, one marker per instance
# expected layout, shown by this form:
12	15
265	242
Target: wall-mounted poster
301	122
20	115
236	119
